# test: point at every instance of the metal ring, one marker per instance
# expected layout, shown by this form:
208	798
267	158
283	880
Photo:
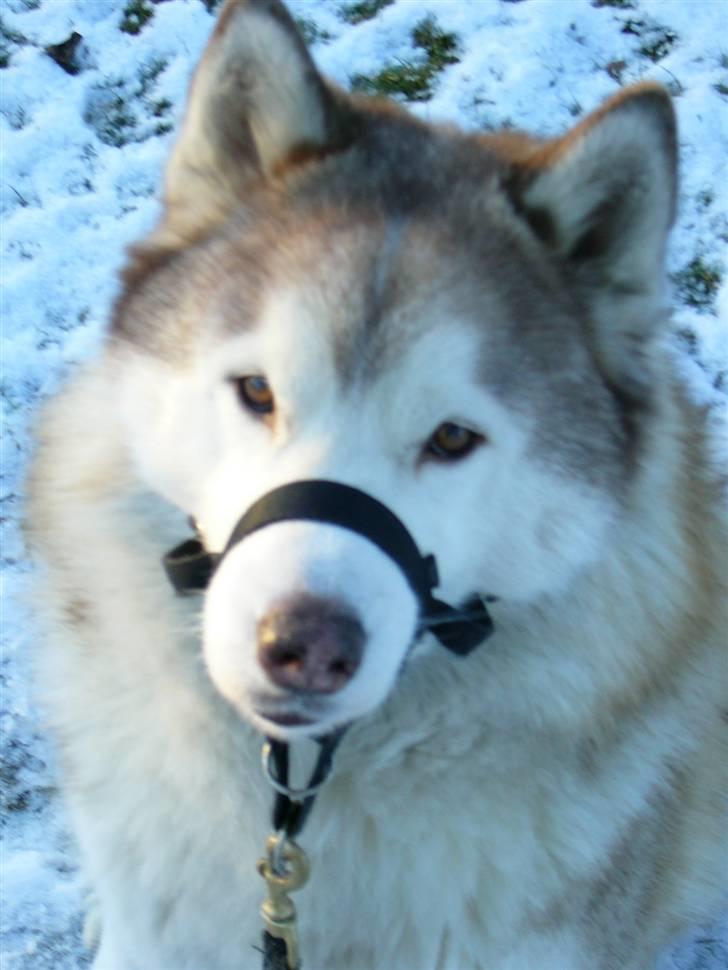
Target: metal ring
295	794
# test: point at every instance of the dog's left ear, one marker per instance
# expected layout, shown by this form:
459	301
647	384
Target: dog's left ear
603	198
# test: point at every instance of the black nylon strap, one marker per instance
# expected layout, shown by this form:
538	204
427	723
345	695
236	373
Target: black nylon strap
460	629
288	814
189	566
317	500
274	953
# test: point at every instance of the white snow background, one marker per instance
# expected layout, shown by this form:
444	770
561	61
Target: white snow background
81	161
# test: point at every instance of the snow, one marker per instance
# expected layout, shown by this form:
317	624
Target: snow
81	160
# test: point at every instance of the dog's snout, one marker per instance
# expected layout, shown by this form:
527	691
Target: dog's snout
310	644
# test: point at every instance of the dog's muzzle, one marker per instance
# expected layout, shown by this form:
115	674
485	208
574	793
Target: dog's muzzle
460	629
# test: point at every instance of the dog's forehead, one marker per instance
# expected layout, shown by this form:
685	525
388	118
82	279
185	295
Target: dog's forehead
373	286
465	284
410	230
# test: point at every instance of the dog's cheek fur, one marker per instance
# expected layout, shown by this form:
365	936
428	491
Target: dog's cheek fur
170	420
538	532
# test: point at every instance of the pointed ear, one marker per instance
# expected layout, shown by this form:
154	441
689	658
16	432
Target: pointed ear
603	199
255	102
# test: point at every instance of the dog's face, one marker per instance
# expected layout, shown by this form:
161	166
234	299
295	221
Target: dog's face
449	324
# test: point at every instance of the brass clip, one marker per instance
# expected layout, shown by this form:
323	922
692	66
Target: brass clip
285	869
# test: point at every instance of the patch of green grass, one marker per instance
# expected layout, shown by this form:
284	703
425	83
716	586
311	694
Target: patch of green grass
355	13
414	80
657	41
148	76
698	283
411	81
689	339
441	47
10	35
9	39
722	88
634	27
121	112
211	5
109	114
136	14
17	117
311	32
660	45
161	107
619	4
18	764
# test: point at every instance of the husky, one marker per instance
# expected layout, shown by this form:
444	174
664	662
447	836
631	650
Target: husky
471	330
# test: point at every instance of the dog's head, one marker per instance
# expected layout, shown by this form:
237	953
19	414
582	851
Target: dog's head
455	324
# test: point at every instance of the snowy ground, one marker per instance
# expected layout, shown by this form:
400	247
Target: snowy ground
82	154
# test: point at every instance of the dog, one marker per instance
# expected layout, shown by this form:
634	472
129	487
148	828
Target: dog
470	331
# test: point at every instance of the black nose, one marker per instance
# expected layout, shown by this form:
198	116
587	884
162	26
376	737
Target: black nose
310	644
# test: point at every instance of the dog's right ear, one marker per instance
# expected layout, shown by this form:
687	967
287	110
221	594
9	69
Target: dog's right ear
256	101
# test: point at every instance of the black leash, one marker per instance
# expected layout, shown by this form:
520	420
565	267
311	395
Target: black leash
274	953
286	866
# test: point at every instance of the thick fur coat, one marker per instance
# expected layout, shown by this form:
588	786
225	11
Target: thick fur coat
470	328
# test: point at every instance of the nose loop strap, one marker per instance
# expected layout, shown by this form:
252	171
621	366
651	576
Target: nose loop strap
459	629
333	503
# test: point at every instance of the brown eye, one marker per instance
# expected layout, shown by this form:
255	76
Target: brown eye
255	393
452	441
